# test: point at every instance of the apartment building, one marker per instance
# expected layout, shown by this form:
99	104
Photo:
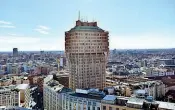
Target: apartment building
9	80
24	90
87	99
9	96
15	95
52	90
13	108
112	102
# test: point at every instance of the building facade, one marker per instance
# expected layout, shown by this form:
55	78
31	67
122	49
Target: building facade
52	91
57	97
15	52
24	90
9	96
82	100
87	49
13	108
52	99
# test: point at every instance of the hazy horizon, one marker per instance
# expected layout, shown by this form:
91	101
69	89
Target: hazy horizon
109	50
40	25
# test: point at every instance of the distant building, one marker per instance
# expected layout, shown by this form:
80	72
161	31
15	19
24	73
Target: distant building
87	48
15	52
114	51
37	80
12	68
63	79
61	62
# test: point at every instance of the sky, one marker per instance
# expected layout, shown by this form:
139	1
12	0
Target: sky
41	24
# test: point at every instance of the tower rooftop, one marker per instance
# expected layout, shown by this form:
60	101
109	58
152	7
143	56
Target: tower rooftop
86	26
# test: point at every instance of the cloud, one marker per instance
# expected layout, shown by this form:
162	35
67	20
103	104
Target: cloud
17	40
11	34
141	41
42	29
30	43
5	24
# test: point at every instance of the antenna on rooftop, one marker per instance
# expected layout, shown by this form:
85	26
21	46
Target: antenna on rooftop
79	15
82	19
93	19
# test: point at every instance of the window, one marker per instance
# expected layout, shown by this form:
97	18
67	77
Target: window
98	108
104	107
89	108
93	108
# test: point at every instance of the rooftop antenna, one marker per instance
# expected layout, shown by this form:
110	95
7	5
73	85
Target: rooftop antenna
79	15
83	19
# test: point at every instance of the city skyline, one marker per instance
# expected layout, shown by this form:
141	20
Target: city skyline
40	25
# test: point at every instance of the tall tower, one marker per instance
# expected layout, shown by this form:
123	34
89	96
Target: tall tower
15	52
87	48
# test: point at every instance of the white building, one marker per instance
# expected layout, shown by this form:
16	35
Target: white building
82	100
13	108
52	93
153	88
52	99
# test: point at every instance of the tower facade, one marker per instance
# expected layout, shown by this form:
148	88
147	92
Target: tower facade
15	52
87	48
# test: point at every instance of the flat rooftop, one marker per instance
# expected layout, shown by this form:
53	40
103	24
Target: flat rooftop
136	101
22	86
88	93
110	97
54	85
89	96
7	88
166	105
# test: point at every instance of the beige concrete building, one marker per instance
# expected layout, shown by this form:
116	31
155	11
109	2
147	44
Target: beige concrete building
13	80
24	91
15	95
9	96
87	49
